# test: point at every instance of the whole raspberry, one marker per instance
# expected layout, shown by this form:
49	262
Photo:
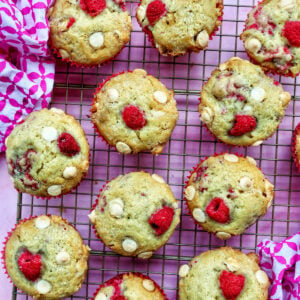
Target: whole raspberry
133	117
242	124
161	220
291	31
218	210
67	144
93	7
155	10
231	284
30	265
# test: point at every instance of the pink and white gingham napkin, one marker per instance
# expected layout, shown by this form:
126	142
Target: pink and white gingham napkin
27	84
281	261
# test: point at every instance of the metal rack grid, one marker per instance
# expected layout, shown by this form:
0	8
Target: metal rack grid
73	90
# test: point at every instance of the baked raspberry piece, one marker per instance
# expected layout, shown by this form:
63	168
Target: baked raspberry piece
133	117
155	10
218	210
93	7
71	22
30	265
242	124
67	144
161	220
291	31
231	284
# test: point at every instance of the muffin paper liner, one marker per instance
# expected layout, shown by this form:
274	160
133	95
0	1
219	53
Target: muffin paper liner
293	146
149	34
120	276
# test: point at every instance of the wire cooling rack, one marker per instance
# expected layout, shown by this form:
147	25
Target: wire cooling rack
73	91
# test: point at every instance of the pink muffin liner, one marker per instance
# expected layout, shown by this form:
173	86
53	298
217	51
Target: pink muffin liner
293	146
111	282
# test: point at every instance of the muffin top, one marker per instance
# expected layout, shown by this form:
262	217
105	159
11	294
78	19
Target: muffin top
130	286
88	32
135	214
134	112
240	105
272	36
48	154
226	193
178	26
223	273
45	257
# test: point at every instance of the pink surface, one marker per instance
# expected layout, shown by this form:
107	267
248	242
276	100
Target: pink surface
74	88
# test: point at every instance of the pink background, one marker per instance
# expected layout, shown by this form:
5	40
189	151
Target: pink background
74	88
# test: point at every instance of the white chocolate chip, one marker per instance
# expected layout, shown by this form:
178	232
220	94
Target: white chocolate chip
202	38
141	13
115	209
101	296
49	134
245	183
232	264
139	72
157	113
223	235
175	205
63	53
257	143
43	287
96	40
160	97
288	5
262	277
207	115
158	178
190	192
42	222
148	285
199	215
223	67
285	97
70	172
253	45
92	216
251	160
123	148
57	110
113	94
231	157
145	255
220	88
258	94
184	270
247	108
118	201
54	190
62	257
129	245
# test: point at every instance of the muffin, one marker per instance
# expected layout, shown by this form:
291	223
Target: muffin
135	214
296	146
134	112
48	154
179	26
223	273
130	286
272	36
226	193
87	32
240	105
45	257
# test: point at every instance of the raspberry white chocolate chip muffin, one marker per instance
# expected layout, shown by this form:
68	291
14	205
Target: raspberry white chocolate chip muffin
226	193
223	273
135	214
129	286
179	26
272	36
134	112
45	257
88	32
240	105
48	154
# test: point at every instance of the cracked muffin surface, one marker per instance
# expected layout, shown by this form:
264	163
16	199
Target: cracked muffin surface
226	193
48	154
179	26
134	112
88	32
240	105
